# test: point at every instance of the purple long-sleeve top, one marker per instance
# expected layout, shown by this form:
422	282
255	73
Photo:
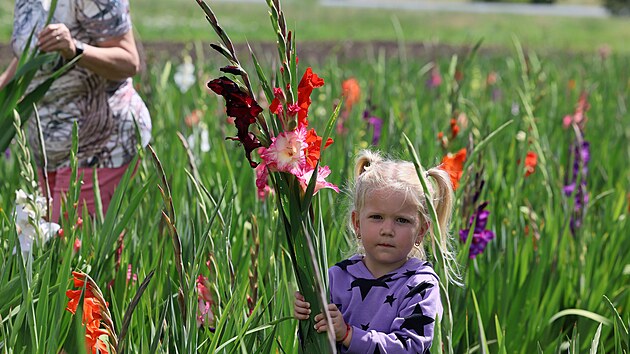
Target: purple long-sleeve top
392	314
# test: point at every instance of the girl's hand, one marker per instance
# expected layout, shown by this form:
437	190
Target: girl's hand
301	308
56	37
338	324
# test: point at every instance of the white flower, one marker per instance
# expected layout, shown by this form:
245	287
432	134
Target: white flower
205	141
521	135
192	141
185	75
30	227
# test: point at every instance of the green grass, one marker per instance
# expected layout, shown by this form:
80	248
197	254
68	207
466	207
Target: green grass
183	21
316	23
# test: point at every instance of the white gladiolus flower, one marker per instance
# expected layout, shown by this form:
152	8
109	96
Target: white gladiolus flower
185	75
31	228
205	140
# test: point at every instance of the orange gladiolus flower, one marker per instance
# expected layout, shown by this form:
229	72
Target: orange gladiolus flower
351	92
193	118
92	313
531	160
454	165
74	296
92	341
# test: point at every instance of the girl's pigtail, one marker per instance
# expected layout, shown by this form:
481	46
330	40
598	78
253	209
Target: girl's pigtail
364	161
442	197
443	200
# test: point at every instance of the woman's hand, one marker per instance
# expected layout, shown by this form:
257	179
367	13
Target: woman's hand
338	324
114	59
56	37
301	308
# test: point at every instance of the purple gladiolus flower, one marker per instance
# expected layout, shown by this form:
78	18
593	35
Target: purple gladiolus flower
497	95
376	123
480	235
581	157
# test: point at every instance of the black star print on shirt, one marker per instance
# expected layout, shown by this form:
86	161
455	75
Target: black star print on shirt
365	326
416	321
390	300
418	289
377	350
365	285
409	273
348	262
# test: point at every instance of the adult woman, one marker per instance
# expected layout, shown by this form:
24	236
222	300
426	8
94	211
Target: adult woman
97	92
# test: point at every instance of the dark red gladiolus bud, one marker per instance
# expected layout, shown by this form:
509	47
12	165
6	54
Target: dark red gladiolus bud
243	108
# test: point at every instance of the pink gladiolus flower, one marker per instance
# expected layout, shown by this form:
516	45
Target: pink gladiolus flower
322	173
76	246
286	152
205	315
204	302
262	184
203	288
293	109
566	121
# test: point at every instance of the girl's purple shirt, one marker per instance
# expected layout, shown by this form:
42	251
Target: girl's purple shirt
392	314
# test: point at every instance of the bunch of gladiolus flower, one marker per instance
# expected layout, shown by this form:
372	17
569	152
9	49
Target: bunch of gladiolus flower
96	316
295	151
289	154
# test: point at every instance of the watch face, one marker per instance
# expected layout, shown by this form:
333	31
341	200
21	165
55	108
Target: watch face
79	47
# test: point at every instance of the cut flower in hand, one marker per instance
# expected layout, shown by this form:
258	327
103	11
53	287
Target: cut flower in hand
289	156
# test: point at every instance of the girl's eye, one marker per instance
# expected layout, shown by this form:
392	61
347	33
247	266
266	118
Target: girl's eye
403	220
375	217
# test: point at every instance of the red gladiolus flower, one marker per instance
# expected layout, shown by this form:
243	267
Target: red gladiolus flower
454	128
275	107
314	142
454	165
309	81
531	160
243	108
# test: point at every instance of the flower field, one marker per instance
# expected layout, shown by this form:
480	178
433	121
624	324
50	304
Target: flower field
192	255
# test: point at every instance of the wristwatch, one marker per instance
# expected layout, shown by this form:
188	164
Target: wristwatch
79	47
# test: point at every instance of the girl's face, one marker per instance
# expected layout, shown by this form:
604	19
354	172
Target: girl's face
389	225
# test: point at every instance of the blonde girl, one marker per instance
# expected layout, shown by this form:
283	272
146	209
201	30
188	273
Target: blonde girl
385	298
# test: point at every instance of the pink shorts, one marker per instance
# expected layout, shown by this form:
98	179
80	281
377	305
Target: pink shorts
59	181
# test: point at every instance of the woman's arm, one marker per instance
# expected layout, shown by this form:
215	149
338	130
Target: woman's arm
8	74
114	59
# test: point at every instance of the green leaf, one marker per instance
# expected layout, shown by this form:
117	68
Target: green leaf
582	313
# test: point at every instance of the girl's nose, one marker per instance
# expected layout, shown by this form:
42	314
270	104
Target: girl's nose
386	228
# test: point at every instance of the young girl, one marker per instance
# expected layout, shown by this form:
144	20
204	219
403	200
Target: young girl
386	298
